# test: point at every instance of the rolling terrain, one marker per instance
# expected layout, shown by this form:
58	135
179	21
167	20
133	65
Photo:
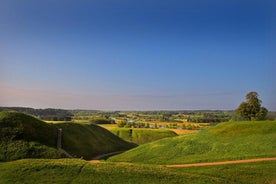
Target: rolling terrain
23	136
226	141
79	171
142	136
245	146
90	140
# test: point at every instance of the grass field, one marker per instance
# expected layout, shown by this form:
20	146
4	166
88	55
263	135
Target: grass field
79	171
142	136
226	141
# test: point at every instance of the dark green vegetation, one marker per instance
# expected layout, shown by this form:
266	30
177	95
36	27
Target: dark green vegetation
252	109
141	136
89	140
79	171
201	116
23	136
226	141
43	114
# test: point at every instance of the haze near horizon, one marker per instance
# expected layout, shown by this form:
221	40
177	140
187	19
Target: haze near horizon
146	55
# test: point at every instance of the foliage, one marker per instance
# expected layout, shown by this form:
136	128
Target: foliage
208	117
44	114
225	141
142	136
102	121
251	109
14	150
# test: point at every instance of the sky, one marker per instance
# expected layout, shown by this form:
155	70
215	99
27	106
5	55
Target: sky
137	55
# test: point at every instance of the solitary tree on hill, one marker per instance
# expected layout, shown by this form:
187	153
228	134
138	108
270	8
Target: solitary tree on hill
251	109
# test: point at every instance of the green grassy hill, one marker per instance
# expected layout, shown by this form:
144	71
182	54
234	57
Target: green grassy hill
142	136
226	141
79	171
23	136
89	140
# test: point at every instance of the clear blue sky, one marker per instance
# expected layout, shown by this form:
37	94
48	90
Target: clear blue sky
137	55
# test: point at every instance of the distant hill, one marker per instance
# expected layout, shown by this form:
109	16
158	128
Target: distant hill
226	141
23	136
142	136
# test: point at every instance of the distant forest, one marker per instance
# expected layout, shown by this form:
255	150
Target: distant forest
44	114
197	116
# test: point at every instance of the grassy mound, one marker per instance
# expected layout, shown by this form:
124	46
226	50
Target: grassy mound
23	136
89	140
79	171
226	141
19	126
142	136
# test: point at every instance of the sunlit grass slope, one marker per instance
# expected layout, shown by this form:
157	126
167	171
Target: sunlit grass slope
141	136
226	141
79	171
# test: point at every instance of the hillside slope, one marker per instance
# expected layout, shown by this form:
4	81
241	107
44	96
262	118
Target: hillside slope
79	171
142	136
226	141
89	140
23	136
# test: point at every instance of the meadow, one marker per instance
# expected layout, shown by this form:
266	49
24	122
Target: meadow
226	141
32	171
24	136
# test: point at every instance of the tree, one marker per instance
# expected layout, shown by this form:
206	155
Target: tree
252	109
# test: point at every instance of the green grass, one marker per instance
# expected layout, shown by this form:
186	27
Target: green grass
76	171
89	140
226	141
142	136
259	172
15	125
23	136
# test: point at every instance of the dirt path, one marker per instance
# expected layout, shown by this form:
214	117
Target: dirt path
222	163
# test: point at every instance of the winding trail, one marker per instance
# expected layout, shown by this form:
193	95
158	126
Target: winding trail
222	163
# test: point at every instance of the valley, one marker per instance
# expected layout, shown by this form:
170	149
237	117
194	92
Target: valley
228	152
